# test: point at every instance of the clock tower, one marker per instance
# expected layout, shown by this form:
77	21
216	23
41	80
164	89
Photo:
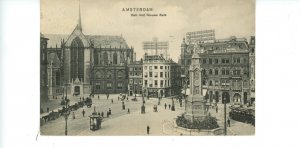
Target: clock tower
195	103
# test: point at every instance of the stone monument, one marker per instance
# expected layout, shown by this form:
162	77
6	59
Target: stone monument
195	103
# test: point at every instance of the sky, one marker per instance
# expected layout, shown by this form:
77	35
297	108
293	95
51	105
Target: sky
105	17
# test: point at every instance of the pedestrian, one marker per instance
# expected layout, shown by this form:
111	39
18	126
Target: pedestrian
148	129
47	109
98	97
112	101
216	108
169	106
128	111
83	112
73	115
165	105
228	122
127	98
118	98
109	111
107	114
102	114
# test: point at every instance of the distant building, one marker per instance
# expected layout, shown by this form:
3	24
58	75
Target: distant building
158	79
43	68
156	47
135	84
203	36
252	68
225	67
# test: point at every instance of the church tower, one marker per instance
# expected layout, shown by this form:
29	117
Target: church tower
77	61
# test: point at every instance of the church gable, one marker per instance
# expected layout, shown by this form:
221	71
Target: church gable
77	33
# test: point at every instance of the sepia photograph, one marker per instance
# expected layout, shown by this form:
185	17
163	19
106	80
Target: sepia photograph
147	68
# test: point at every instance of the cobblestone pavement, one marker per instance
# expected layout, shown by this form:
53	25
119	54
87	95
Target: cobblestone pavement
121	123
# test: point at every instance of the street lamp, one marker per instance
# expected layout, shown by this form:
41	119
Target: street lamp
225	99
66	115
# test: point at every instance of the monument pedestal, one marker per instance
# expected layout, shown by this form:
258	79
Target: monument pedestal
195	108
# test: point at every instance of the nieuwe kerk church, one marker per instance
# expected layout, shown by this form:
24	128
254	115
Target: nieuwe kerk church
83	64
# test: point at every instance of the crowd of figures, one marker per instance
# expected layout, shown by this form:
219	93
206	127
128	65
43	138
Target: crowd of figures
67	108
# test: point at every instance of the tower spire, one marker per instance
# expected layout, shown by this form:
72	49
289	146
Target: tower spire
79	18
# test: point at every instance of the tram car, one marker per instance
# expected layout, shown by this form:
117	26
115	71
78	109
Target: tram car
242	114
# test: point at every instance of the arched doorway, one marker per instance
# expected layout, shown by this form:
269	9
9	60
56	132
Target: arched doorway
76	90
237	97
225	97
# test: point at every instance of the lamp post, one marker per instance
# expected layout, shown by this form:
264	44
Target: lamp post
66	115
225	98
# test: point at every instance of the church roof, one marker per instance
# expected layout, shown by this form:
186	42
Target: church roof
103	40
108	41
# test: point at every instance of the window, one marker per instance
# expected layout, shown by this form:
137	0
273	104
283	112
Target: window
140	81
165	74
130	81
145	67
238	60
227	72
155	74
223	71
115	59
210	72
135	81
155	67
105	58
150	67
108	86
150	74
210	61
210	83
146	82
165	67
165	82
227	60
204	61
216	72
57	77
120	85
216	61
204	72
97	86
216	83
161	74
161	67
203	82
161	83
155	83
145	74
